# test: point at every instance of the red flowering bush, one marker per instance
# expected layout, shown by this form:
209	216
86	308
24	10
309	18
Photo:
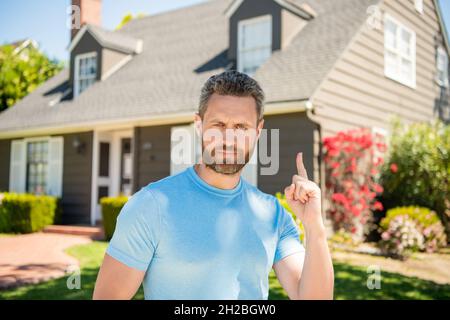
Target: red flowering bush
352	162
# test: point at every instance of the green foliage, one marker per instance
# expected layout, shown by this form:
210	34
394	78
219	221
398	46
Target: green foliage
25	213
21	72
424	216
427	223
417	171
127	18
282	199
111	207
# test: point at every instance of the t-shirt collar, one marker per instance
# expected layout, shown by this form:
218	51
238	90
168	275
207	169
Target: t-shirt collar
204	185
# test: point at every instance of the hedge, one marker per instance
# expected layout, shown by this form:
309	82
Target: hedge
26	213
111	207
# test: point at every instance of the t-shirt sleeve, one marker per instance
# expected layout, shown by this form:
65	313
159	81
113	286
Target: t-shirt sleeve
136	234
289	237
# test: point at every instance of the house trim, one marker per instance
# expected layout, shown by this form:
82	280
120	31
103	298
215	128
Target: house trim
78	57
299	11
116	67
125	123
113	180
443	28
94	175
397	78
243	23
85	28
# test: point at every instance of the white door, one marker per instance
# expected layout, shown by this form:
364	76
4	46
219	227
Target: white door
113	166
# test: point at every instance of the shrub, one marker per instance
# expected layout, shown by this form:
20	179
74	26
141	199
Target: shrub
352	159
427	223
401	238
25	213
111	207
282	199
417	171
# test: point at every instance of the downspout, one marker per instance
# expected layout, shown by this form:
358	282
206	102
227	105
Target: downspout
310	114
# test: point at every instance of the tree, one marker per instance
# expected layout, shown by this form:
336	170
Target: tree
127	18
21	72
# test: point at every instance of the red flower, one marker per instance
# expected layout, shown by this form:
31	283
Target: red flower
335	165
394	168
378	206
378	188
339	197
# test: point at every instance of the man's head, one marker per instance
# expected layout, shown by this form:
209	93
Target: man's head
229	120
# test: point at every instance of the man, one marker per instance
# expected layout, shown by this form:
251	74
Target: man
206	233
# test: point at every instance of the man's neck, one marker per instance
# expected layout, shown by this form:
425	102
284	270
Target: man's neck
218	180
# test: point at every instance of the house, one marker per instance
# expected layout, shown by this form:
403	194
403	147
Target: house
105	124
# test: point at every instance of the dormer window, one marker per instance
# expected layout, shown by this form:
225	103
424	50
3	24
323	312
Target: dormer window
85	71
254	43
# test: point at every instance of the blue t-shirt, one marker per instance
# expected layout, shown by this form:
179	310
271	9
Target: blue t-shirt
196	241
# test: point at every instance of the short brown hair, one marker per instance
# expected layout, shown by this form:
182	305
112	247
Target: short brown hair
233	83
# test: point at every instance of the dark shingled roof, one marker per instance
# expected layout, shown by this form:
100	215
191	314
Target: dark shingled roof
181	50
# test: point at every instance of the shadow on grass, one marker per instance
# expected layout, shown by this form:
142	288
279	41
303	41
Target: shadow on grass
350	282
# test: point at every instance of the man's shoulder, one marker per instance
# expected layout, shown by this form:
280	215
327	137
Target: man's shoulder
261	196
166	183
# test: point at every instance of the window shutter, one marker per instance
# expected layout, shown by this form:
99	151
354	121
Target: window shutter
183	148
55	166
17	170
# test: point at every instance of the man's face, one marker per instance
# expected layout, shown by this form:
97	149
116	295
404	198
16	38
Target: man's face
229	130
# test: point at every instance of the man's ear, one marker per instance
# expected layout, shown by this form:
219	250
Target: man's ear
260	127
198	124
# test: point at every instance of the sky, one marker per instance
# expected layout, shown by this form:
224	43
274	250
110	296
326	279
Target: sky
45	20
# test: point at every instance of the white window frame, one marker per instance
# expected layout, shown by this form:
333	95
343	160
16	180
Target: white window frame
76	75
396	76
441	52
20	186
241	25
418	5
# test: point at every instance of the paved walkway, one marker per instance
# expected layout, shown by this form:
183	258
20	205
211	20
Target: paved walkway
35	257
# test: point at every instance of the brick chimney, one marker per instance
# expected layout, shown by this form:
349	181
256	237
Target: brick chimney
90	13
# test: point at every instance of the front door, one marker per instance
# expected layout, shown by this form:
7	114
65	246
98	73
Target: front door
115	166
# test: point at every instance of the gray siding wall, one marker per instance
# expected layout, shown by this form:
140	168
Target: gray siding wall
250	9
296	134
77	178
357	93
5	147
154	164
86	44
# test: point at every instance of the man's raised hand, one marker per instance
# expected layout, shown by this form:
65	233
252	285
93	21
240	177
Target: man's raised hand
304	197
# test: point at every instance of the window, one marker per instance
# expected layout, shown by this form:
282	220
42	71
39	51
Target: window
399	52
442	67
254	43
37	166
418	4
85	71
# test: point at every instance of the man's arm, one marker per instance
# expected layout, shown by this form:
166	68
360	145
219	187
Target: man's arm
311	279
116	280
315	279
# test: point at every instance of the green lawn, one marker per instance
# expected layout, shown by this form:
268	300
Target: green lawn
350	282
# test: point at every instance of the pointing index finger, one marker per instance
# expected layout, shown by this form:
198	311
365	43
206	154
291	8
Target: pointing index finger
300	167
